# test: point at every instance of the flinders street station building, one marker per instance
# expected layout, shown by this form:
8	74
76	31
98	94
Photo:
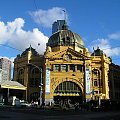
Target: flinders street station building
67	72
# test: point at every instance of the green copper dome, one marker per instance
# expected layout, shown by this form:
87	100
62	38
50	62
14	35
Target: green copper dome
65	37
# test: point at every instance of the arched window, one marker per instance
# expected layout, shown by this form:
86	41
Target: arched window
35	71
68	87
21	76
96	78
34	82
35	77
66	41
21	71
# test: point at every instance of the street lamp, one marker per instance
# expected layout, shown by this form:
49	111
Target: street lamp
41	81
99	100
41	87
41	93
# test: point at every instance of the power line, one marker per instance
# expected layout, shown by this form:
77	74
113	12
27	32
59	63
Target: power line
36	7
11	47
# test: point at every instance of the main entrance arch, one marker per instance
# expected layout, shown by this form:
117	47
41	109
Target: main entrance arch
68	91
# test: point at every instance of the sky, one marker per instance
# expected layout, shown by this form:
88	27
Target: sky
29	22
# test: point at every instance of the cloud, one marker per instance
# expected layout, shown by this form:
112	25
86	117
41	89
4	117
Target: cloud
14	35
105	45
47	17
114	36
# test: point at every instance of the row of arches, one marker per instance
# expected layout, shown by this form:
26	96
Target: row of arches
34	76
33	71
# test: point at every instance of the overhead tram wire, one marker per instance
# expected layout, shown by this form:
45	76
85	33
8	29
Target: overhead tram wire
10	47
36	7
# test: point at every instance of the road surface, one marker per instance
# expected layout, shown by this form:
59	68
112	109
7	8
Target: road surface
37	114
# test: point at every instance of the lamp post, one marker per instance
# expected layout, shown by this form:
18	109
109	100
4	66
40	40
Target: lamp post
41	87
41	92
8	95
41	81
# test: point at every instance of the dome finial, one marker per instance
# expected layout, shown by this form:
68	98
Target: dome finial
65	27
64	15
98	47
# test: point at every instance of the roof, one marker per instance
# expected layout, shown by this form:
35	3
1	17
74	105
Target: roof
34	52
12	85
97	52
65	37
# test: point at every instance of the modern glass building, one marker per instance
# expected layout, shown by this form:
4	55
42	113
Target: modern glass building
57	25
5	69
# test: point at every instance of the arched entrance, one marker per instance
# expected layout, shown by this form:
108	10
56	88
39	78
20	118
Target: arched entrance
68	92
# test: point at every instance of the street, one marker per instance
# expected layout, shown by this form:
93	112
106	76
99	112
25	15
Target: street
37	114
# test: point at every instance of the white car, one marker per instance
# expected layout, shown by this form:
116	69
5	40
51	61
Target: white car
24	104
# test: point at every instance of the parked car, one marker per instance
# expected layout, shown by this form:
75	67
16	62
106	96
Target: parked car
24	103
58	107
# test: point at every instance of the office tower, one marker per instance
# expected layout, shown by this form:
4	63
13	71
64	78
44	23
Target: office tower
57	25
5	69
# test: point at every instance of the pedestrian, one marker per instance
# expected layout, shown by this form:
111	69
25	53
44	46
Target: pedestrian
76	106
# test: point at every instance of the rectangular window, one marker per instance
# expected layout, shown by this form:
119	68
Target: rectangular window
95	83
80	67
72	67
101	83
64	67
95	72
57	67
96	92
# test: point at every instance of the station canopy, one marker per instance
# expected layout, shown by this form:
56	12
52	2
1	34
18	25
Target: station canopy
12	85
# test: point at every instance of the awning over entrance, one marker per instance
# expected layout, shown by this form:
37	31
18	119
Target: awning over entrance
12	85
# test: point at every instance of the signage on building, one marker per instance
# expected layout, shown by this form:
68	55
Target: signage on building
87	79
47	83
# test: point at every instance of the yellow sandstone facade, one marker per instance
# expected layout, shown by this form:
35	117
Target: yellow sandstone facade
67	71
28	72
71	72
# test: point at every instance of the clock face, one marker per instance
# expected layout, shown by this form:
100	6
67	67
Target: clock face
67	57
